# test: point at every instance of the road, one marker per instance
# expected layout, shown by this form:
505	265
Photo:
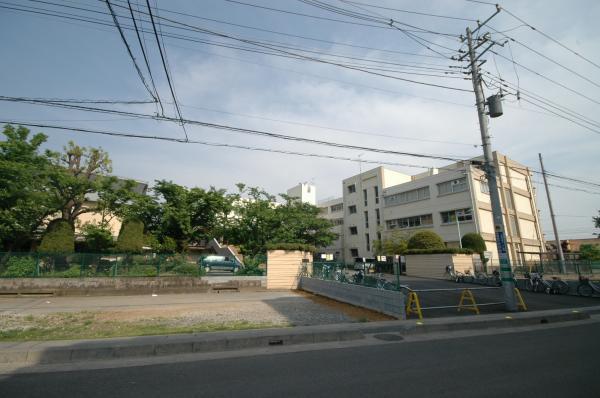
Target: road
545	362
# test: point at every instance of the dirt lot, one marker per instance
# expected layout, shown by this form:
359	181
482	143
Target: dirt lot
50	318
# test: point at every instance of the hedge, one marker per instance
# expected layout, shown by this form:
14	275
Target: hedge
446	250
291	246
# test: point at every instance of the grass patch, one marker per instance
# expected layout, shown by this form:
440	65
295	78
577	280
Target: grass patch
85	325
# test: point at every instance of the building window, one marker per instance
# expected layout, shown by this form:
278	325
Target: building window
352	209
366	219
378	216
449	217
337	221
338	207
368	239
484	186
426	220
406	197
509	201
365	196
354	252
353	231
458	185
376	189
513	225
351	188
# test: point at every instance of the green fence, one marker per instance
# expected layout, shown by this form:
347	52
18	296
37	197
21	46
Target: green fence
579	267
343	273
77	265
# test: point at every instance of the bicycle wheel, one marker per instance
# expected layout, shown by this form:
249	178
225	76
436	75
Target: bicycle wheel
541	287
561	287
528	285
585	290
389	286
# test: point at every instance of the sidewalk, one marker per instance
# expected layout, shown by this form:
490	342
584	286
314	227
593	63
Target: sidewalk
72	351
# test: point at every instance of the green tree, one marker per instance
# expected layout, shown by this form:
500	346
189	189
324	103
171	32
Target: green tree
596	221
426	240
474	242
396	243
24	201
589	252
98	237
59	238
131	237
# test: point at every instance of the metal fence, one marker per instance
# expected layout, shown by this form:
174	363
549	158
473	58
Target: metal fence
343	273
578	267
77	265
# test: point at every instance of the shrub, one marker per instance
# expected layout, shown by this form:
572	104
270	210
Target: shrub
20	267
186	269
72	272
474	242
425	240
291	246
58	238
250	270
98	238
589	252
131	237
445	250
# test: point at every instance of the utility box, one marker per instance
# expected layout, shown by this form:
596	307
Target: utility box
495	105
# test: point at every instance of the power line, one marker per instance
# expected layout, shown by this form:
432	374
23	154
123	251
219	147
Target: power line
137	32
410	11
162	57
187	141
137	68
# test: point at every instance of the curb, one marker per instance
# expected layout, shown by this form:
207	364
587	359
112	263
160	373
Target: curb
72	351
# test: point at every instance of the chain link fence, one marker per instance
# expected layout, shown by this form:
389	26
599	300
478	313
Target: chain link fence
80	265
343	273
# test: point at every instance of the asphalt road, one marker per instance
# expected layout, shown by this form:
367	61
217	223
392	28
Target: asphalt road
550	362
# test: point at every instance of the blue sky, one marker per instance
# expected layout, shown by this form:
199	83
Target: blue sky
49	57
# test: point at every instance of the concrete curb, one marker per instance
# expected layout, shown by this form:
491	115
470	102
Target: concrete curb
71	351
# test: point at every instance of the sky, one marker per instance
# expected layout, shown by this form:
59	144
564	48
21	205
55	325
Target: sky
225	81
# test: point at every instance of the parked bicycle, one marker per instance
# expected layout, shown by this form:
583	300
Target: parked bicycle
383	283
587	288
488	280
454	275
535	282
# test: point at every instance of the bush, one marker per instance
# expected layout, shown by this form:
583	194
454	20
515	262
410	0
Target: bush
73	272
425	240
474	242
589	252
58	238
131	237
186	269
291	246
20	267
98	239
445	250
250	270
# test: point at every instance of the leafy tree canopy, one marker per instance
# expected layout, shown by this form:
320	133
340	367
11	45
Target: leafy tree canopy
426	240
474	242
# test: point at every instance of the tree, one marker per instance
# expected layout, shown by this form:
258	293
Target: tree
597	221
98	238
24	201
131	237
396	243
80	173
59	238
589	252
425	240
474	242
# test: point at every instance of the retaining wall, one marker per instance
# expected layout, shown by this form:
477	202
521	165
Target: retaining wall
434	265
384	301
283	268
123	285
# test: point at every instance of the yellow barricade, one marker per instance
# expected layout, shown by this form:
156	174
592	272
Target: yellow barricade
413	306
520	303
467	295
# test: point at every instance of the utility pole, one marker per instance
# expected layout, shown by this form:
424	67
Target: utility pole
490	169
561	256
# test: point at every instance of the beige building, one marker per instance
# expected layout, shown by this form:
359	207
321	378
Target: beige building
452	201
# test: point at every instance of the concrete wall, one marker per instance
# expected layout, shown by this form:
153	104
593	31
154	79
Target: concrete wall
283	268
434	265
384	301
124	285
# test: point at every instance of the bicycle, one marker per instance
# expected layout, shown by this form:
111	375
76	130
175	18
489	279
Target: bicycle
454	275
587	288
535	282
383	283
485	279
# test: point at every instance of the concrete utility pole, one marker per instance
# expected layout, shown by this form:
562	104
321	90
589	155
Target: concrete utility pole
490	171
561	256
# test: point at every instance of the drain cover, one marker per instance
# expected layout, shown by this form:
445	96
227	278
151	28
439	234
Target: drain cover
388	337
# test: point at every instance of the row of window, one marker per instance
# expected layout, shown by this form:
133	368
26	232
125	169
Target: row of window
453	186
426	220
352	189
337	207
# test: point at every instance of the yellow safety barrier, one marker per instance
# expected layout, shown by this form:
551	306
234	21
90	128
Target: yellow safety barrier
413	306
520	303
468	295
